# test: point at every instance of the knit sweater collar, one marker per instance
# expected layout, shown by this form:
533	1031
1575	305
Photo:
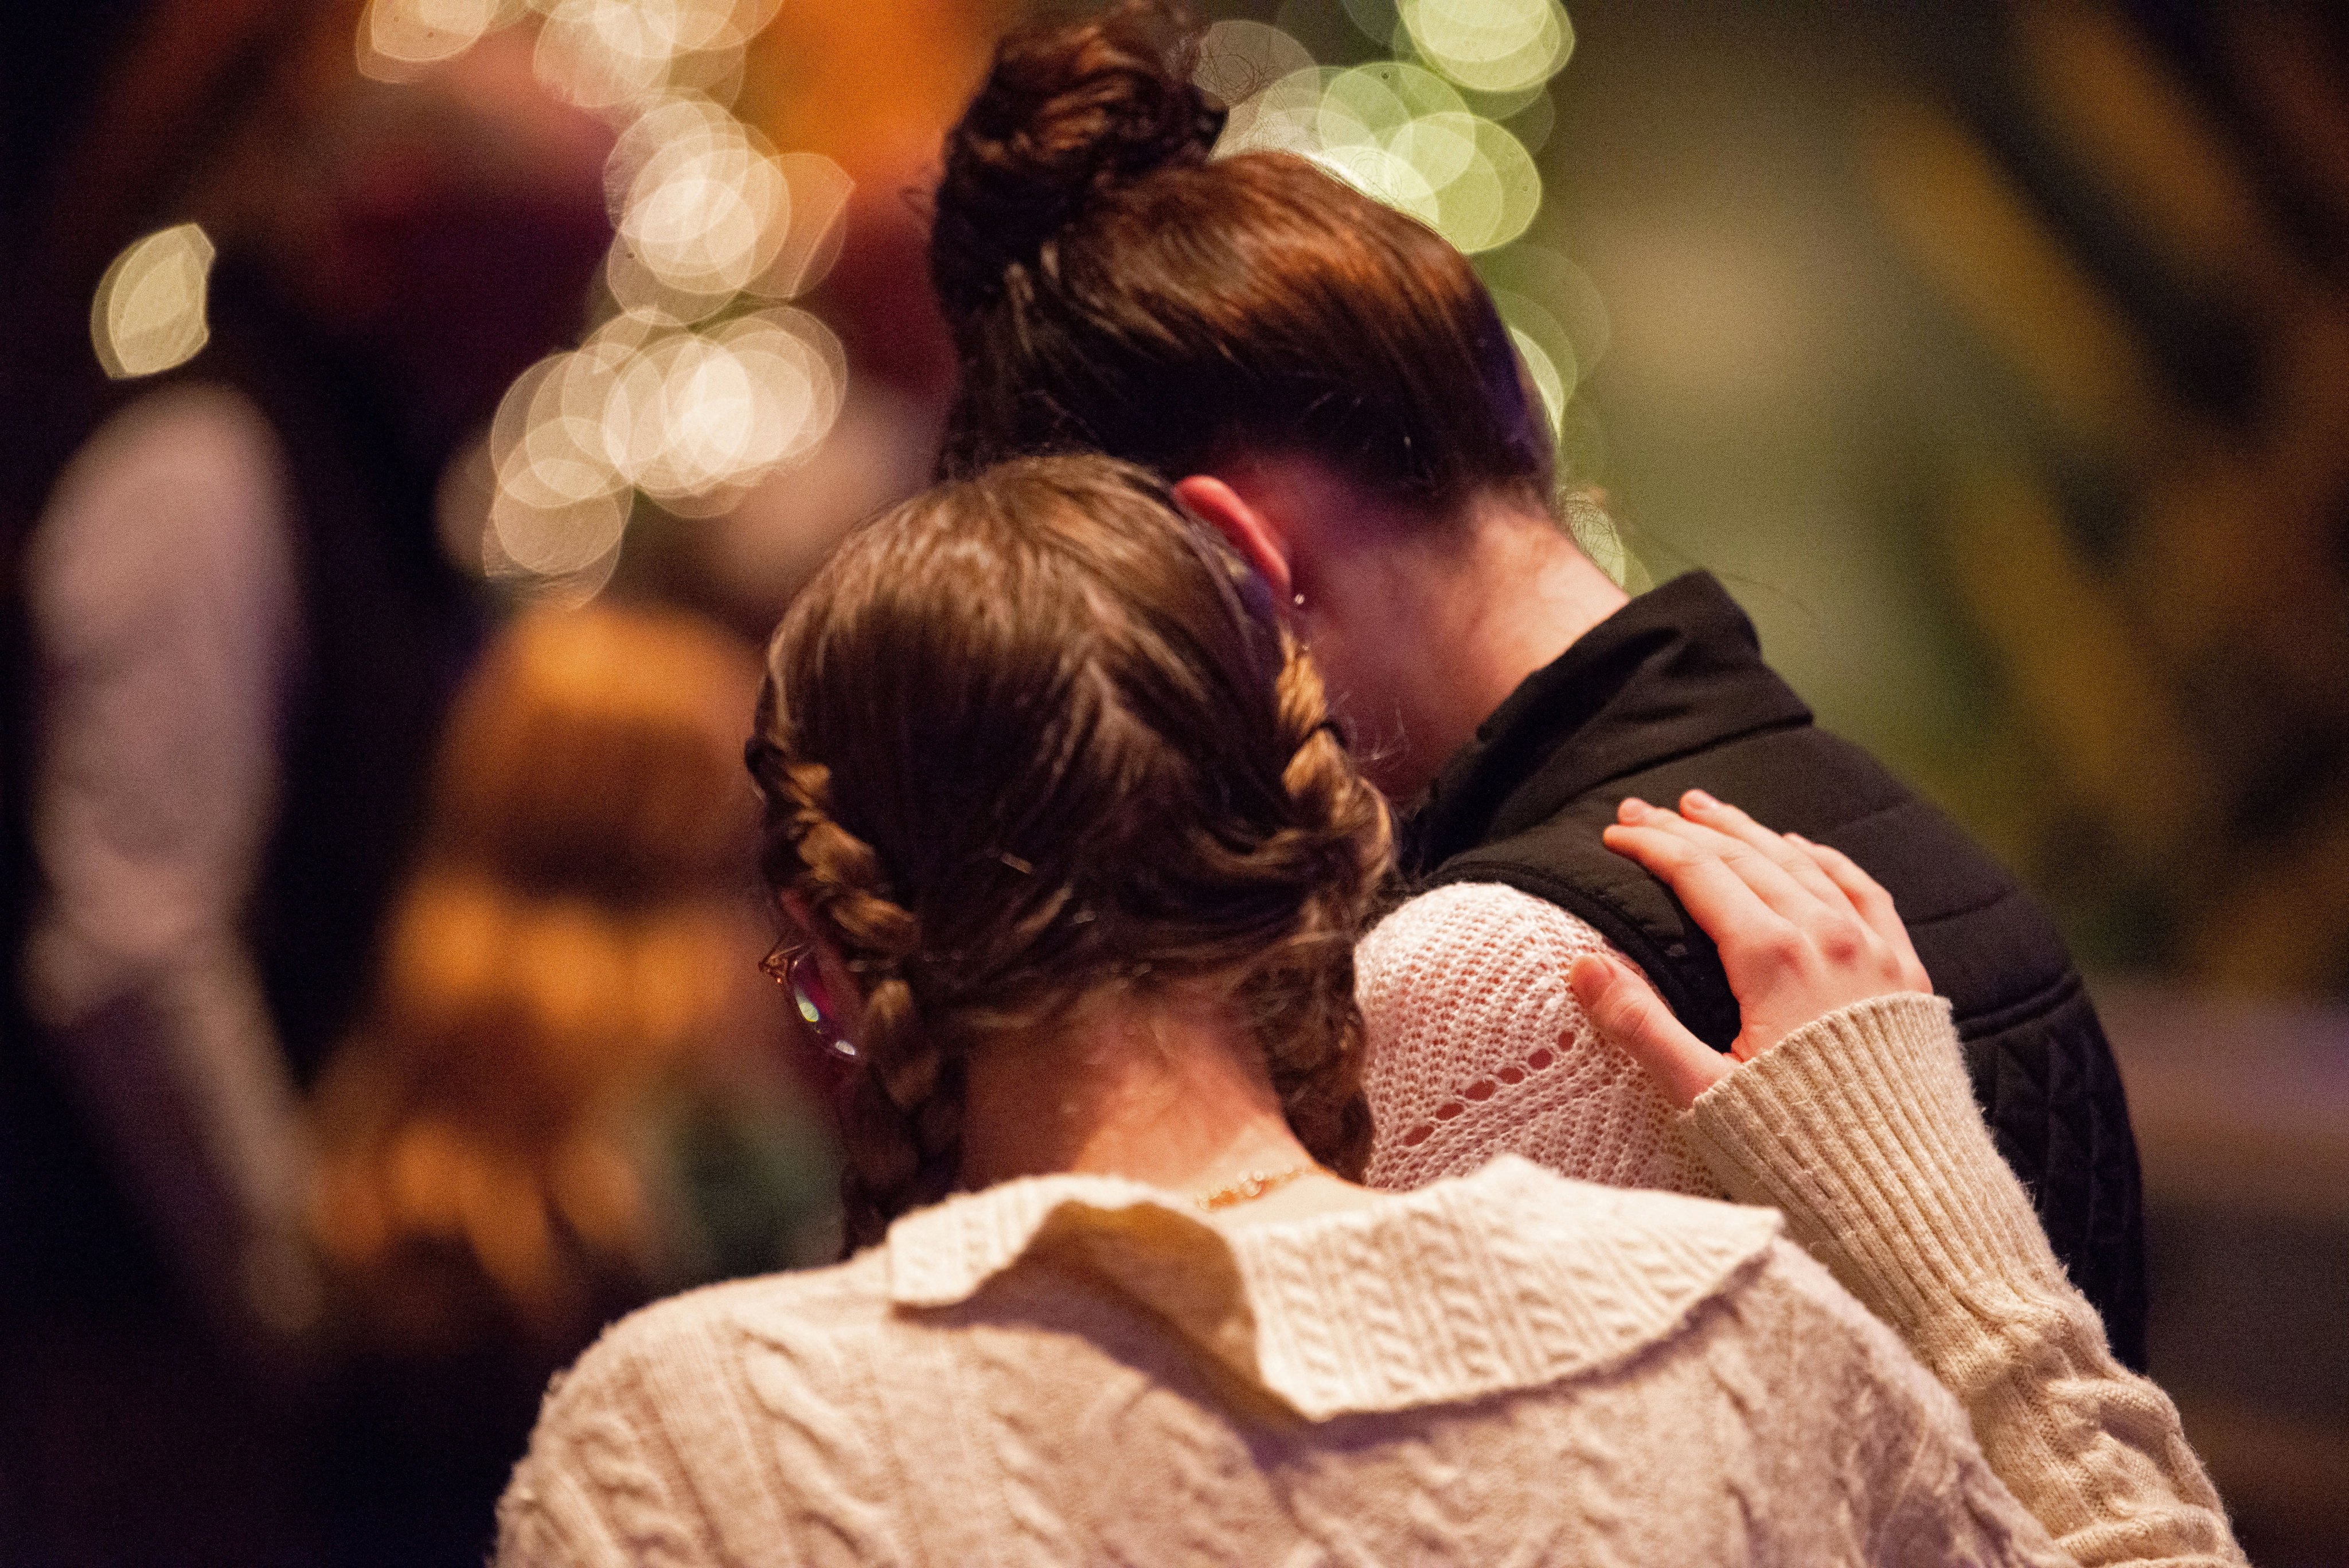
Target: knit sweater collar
1486	1284
1676	669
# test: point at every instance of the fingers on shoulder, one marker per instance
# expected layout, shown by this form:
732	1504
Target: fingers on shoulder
1629	1013
1866	893
1874	907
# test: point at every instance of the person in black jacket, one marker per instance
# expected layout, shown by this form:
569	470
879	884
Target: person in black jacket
1330	387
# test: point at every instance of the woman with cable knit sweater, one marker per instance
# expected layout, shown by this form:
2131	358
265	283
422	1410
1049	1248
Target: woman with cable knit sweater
1076	861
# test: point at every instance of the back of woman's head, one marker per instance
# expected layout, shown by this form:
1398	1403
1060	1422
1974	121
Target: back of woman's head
1033	735
1110	290
572	949
592	753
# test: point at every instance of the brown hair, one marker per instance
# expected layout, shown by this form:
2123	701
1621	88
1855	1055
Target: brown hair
573	945
1111	290
1036	733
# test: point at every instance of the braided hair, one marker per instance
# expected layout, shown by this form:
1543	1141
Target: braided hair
1037	733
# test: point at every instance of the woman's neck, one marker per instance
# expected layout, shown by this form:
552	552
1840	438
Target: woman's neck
1422	625
1168	1089
1512	592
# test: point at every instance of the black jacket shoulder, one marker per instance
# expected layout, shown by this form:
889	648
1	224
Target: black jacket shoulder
1670	694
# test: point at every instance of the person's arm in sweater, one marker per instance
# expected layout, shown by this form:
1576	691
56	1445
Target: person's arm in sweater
1845	1104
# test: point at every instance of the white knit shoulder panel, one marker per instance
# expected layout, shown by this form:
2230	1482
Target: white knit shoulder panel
1477	1047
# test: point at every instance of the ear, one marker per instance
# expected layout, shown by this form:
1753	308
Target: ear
1246	529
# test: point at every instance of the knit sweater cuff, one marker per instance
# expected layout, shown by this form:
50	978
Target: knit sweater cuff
1862	1129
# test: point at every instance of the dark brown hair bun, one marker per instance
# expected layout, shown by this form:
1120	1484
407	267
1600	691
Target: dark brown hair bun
1067	114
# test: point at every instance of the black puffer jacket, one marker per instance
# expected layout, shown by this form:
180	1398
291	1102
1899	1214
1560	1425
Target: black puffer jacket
1669	694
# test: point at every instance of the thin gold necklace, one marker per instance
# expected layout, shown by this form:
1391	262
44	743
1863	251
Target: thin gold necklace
1254	1185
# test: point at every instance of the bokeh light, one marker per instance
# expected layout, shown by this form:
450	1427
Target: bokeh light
397	36
1554	387
1394	130
700	206
1491	45
695	386
620	54
691	418
1545	344
148	314
1240	59
558	540
811	242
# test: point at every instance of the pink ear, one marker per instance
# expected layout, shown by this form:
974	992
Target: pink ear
1244	527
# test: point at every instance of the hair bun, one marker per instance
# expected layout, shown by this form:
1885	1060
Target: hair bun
1066	114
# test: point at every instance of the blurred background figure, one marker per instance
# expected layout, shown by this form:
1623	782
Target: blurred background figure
279	262
231	640
571	1092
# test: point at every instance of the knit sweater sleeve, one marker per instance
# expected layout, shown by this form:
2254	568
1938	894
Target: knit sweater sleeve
1861	1128
1478	1047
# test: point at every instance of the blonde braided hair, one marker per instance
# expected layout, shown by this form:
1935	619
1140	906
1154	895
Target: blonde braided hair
1036	733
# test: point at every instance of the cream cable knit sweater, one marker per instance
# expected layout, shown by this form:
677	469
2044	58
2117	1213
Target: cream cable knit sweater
1508	1367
